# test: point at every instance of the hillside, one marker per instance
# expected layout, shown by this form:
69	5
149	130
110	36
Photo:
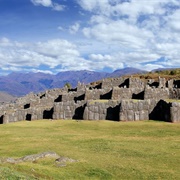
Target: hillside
4	97
19	84
155	74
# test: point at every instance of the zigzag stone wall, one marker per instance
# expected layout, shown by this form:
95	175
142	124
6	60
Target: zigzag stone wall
119	99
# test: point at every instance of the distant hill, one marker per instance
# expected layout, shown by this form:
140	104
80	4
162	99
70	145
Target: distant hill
4	97
175	71
168	73
126	71
19	84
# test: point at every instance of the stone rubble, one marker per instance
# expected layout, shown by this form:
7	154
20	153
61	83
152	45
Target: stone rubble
59	160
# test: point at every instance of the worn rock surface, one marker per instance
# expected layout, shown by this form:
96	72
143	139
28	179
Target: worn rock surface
59	160
29	158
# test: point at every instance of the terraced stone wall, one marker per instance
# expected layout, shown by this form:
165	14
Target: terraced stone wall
102	110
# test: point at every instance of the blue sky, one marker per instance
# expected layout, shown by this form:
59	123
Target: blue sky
99	35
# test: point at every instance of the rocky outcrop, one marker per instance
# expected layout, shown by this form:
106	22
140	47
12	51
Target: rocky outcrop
30	158
59	160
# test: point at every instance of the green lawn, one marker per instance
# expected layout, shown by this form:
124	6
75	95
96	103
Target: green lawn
104	149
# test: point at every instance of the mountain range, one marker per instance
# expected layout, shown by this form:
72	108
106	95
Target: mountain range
19	84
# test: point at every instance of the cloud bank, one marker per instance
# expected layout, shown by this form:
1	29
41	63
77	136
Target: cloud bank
107	34
56	54
145	32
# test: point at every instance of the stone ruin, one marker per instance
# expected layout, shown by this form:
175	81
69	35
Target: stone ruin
117	99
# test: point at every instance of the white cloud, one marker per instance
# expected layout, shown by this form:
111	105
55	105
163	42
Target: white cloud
41	71
48	3
173	21
136	8
121	32
11	68
62	55
132	8
100	57
74	28
52	53
149	67
93	4
5	42
106	60
142	31
60	28
138	33
56	47
58	7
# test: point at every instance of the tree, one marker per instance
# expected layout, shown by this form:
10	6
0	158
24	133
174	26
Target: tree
68	85
173	72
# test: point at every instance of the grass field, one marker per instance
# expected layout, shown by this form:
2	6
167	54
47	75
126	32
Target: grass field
104	149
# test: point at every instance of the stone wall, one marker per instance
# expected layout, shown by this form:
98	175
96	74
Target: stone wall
93	94
136	83
64	110
13	116
30	114
102	110
69	110
161	111
174	93
121	93
127	93
170	83
162	82
81	87
135	110
175	112
156	93
111	82
124	99
68	96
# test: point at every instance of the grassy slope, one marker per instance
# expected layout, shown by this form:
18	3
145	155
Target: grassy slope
168	74
105	149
